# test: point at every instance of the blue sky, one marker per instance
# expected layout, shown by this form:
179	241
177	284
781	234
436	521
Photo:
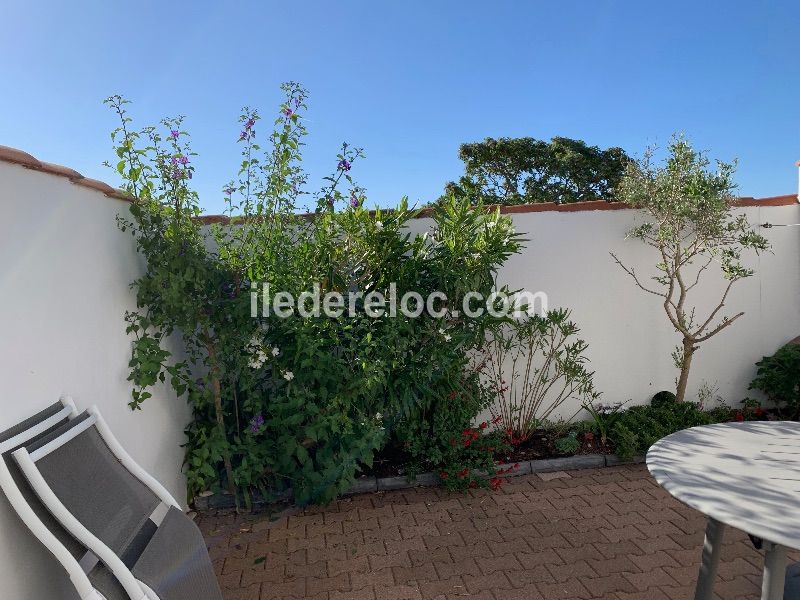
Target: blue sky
408	81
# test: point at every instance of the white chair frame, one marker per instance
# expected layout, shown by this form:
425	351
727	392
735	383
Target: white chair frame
135	589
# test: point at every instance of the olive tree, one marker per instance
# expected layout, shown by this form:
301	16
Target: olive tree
692	224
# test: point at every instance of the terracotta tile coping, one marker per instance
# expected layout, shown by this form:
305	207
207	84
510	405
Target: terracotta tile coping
16	156
592	205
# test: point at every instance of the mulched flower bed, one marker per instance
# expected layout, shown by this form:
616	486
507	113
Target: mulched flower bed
392	461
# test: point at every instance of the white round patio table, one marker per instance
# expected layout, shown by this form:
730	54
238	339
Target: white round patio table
746	475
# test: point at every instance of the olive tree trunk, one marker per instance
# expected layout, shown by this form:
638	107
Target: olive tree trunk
686	364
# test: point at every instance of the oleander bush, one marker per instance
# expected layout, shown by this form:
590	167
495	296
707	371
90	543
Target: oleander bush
301	403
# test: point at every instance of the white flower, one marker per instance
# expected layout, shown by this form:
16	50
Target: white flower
256	362
276	351
379	225
442	331
447	338
288	375
378	417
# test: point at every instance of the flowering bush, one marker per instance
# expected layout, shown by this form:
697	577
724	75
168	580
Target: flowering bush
534	365
302	402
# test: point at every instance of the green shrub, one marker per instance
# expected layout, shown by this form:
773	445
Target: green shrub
662	398
778	376
639	427
604	417
568	444
535	364
301	402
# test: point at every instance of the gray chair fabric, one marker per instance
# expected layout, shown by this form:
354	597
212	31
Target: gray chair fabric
175	564
101	578
94	486
791	588
169	556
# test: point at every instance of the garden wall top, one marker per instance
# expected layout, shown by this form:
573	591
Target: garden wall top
20	157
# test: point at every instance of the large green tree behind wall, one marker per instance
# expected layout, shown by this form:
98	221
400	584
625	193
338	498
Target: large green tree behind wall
526	170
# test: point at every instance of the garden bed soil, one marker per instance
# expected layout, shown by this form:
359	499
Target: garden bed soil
393	461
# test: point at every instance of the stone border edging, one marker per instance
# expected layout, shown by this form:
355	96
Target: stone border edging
366	485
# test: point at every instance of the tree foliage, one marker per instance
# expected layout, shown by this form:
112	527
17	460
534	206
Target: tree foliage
526	170
693	225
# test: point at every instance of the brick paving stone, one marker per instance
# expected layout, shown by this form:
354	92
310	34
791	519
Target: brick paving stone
466	566
443	587
552	476
412	575
494	581
567	590
539	574
602	587
608	533
528	592
377	578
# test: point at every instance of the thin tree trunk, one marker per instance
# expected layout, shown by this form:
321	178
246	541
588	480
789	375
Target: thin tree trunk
688	351
216	392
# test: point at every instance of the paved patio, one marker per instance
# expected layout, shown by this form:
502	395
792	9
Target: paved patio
604	533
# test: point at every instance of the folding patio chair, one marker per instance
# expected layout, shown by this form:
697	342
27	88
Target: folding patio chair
91	582
135	540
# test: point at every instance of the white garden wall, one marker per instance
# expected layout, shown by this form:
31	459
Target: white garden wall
630	340
65	271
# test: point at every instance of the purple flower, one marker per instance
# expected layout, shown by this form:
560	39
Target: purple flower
329	199
183	160
249	124
176	174
243	136
354	202
344	165
228	191
174	133
174	160
288	111
256	423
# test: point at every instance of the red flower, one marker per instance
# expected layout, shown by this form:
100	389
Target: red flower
463	473
473	484
443	475
496	420
516	465
758	411
467	442
739	416
588	436
483	425
495	483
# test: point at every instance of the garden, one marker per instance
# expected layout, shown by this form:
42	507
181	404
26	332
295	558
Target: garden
301	406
